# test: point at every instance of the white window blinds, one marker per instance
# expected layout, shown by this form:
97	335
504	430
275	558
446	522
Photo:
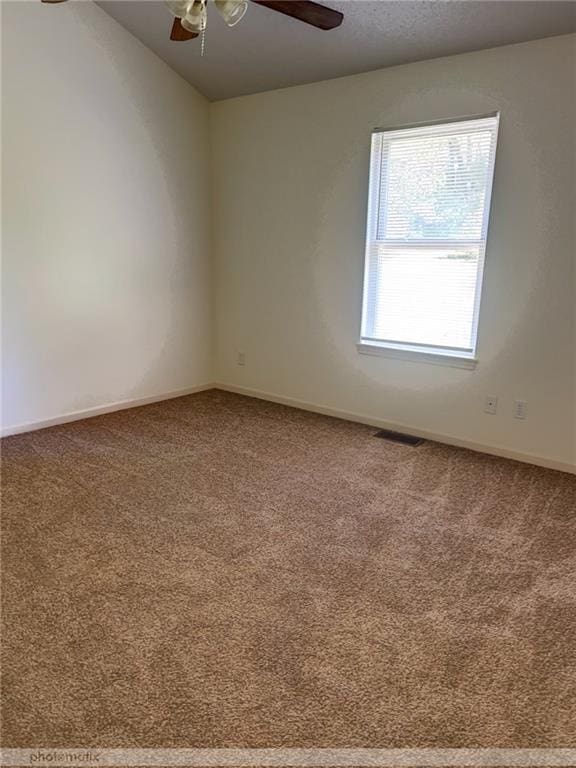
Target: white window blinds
428	212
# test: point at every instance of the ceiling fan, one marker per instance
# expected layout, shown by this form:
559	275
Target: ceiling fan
191	15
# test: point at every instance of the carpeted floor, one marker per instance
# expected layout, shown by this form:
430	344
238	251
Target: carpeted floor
220	571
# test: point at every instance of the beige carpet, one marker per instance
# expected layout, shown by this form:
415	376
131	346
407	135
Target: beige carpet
220	571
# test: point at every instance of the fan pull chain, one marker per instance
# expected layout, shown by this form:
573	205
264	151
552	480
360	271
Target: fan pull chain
203	34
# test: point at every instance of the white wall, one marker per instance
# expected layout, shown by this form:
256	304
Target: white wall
106	252
290	175
106	245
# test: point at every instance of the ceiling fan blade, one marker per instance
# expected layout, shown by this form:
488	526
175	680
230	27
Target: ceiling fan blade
53	1
179	34
311	13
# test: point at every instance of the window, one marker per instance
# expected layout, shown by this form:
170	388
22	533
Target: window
428	210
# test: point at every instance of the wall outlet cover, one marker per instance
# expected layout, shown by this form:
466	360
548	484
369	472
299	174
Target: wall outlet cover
491	405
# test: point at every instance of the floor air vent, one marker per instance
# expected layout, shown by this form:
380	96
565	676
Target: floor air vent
398	437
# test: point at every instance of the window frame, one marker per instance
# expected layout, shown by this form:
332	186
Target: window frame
453	356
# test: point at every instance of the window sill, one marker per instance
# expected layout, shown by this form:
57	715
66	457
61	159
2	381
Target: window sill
414	355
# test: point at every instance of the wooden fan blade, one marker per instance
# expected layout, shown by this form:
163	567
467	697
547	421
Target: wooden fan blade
179	34
311	13
53	1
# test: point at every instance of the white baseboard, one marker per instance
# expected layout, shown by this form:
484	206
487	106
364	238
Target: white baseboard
439	437
494	450
98	410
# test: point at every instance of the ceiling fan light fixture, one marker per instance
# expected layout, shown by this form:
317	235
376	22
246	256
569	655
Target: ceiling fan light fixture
232	11
195	18
179	8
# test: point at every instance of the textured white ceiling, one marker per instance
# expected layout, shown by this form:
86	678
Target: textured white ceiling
267	50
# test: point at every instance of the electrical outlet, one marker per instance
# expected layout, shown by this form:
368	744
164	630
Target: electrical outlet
520	409
241	358
491	405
